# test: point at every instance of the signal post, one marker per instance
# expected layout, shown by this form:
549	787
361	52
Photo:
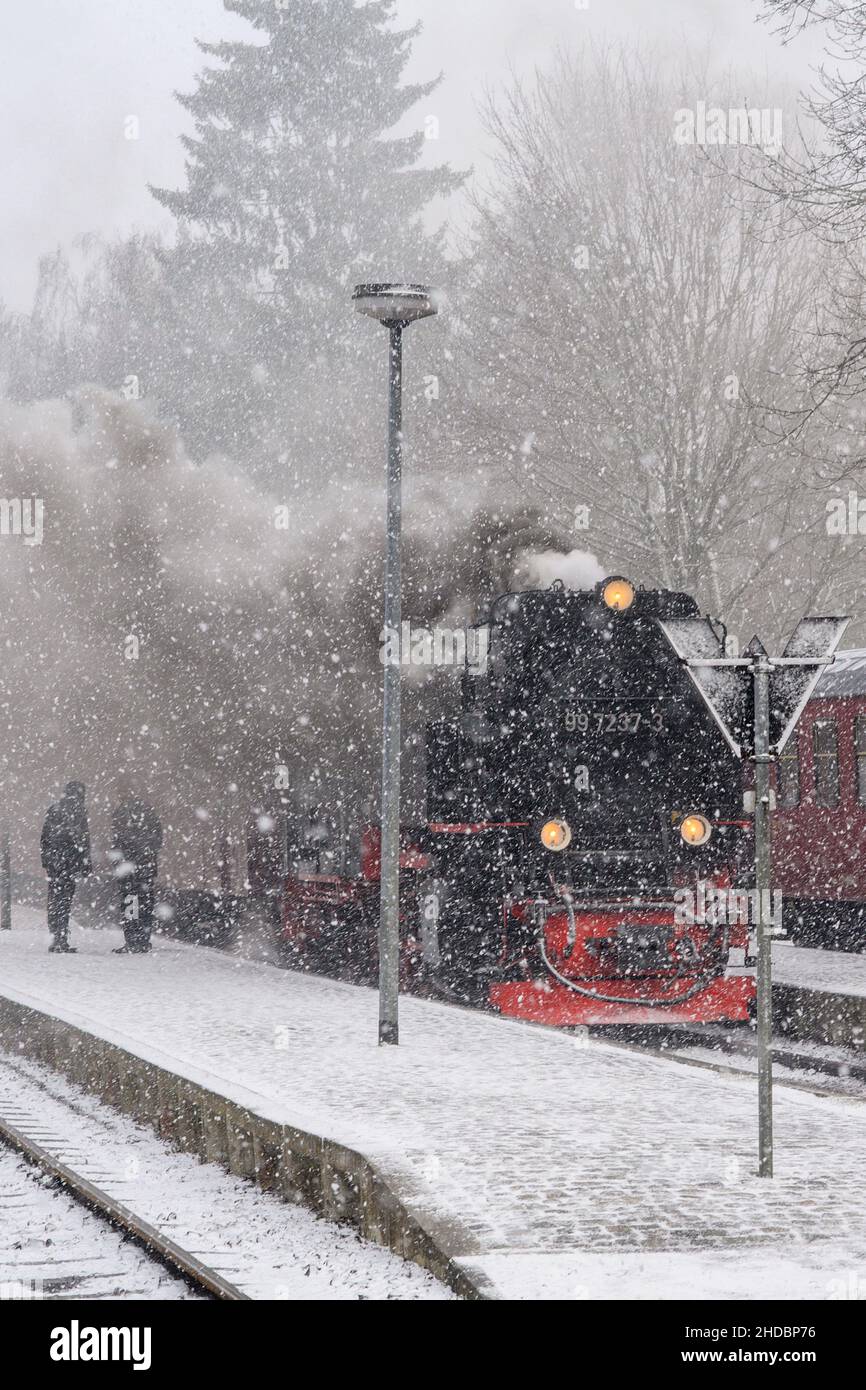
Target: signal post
756	701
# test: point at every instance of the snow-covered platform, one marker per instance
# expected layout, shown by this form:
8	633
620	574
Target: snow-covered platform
831	972
820	995
546	1165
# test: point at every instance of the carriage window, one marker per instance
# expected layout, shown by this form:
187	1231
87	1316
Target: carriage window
788	777
860	750
826	756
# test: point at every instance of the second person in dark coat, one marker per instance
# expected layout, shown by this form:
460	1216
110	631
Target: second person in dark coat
137	840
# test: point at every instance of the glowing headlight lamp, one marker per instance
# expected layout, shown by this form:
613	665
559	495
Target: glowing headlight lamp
618	593
555	835
695	829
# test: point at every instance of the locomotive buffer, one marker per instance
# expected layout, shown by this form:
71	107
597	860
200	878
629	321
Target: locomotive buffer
756	700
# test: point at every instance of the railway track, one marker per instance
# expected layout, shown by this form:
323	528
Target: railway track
52	1247
161	1223
80	1257
828	1072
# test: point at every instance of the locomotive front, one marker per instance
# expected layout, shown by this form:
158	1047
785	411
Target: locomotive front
586	822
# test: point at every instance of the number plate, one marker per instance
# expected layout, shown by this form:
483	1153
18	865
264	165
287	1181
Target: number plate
604	722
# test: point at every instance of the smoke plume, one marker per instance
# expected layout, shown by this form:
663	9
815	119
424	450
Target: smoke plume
181	631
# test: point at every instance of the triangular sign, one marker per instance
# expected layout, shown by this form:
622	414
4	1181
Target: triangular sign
725	690
791	686
755	648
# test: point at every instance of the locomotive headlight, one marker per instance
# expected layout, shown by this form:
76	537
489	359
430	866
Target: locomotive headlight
695	830
555	835
618	594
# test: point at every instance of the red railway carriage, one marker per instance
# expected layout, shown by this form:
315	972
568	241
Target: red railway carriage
329	914
819	827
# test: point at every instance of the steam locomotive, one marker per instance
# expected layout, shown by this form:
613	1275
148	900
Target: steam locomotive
581	805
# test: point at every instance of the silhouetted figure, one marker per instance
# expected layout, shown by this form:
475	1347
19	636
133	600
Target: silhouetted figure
265	856
137	839
65	859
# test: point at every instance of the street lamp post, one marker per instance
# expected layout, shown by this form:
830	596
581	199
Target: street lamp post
5	881
394	306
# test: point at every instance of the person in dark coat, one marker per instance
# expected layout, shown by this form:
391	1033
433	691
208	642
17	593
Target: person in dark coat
265	856
137	840
65	859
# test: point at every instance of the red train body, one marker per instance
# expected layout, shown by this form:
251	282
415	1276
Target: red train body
664	996
329	915
819	825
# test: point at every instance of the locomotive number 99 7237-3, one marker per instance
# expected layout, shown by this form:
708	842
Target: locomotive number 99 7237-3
619	721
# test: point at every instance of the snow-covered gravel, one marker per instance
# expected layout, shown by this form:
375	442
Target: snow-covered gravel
557	1166
52	1247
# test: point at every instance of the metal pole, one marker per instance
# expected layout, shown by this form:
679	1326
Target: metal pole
6	876
389	914
761	687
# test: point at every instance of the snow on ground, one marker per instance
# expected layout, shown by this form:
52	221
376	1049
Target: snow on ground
52	1247
554	1166
836	972
269	1249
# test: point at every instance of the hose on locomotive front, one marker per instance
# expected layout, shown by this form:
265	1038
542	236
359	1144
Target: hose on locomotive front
701	983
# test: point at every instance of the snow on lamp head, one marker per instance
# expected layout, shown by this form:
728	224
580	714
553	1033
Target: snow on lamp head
393	304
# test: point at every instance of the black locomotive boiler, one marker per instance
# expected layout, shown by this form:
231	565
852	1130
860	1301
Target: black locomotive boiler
583	808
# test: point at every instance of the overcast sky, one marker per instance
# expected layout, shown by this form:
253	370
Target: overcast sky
73	70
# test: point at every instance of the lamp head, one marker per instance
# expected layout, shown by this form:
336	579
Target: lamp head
394	304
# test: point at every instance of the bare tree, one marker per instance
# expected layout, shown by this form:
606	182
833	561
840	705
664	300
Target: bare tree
625	311
823	178
819	180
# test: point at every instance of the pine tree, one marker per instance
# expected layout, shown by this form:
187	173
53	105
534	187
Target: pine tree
295	189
